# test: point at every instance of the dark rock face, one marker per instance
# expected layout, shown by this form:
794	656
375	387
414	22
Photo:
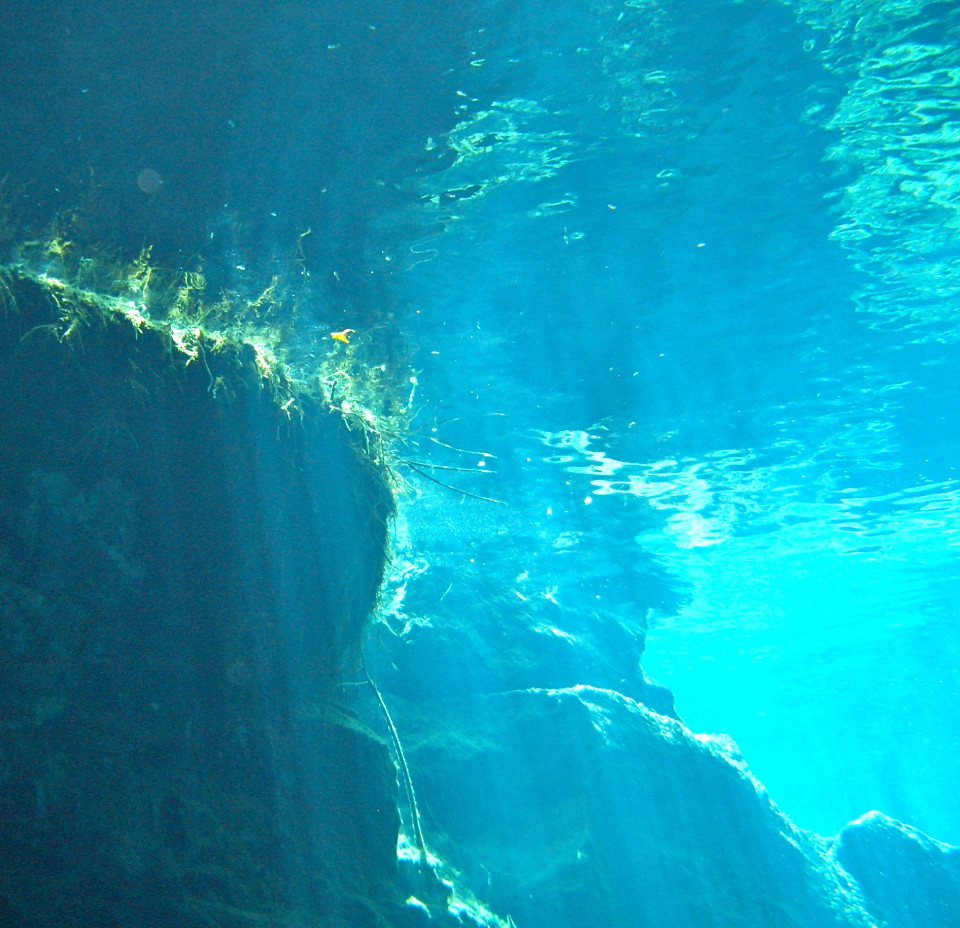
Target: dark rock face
514	645
184	569
908	879
580	807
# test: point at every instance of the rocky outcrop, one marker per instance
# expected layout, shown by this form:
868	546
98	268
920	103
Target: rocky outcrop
187	560
580	807
908	879
188	554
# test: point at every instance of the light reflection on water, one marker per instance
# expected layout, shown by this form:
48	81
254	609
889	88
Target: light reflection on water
733	494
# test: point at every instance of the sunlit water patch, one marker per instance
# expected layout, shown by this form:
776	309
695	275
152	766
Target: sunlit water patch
895	138
741	267
785	574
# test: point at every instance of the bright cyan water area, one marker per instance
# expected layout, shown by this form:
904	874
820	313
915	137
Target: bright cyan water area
723	360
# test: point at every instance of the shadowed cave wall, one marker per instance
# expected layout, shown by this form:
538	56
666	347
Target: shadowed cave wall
184	569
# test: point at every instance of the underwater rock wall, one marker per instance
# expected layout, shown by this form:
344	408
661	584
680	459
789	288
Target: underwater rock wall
187	559
909	879
189	551
574	805
580	807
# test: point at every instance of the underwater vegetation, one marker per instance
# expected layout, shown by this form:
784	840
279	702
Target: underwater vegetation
272	651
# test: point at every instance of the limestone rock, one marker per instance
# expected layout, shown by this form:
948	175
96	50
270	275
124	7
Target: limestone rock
908	879
185	566
581	807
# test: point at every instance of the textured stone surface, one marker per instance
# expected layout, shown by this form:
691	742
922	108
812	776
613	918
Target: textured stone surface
909	880
184	569
476	631
581	807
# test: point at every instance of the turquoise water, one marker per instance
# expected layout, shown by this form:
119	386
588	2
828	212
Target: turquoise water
681	282
701	264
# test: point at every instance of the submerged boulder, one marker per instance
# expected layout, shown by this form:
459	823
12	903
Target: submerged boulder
909	880
581	807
